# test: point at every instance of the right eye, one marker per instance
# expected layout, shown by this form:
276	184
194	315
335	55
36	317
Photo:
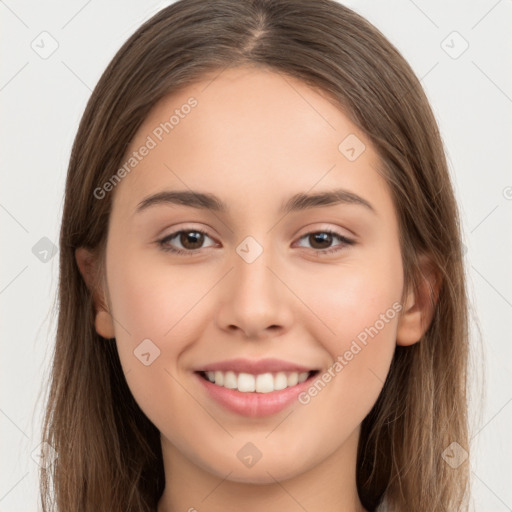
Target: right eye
191	241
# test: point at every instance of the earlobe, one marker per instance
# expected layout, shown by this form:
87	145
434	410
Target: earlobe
87	264
419	305
104	324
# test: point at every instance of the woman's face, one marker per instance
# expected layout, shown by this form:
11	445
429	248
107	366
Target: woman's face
259	284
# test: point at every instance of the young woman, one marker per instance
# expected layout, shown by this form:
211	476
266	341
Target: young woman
262	297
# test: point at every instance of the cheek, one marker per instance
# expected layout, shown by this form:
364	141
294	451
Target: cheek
155	301
357	309
157	317
353	297
364	319
158	314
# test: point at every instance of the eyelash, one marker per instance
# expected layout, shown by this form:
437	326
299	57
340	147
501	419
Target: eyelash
163	242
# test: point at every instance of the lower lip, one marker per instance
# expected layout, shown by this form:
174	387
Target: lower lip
254	404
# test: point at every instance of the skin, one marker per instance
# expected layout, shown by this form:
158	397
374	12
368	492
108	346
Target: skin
254	139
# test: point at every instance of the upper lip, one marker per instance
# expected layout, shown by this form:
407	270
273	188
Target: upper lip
255	367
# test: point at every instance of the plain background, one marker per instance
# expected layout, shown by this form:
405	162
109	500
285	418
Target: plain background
42	100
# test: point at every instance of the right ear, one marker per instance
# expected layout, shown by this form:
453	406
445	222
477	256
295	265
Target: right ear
88	265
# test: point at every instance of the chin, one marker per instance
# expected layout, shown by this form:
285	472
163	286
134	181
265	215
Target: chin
261	473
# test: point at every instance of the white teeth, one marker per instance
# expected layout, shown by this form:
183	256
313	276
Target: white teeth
246	382
219	378
303	376
262	383
293	379
230	380
280	381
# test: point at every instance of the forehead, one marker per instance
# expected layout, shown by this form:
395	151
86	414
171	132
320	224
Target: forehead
249	129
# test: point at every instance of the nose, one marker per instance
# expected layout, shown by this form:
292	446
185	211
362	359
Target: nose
255	301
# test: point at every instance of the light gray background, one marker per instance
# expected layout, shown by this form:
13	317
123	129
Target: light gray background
42	101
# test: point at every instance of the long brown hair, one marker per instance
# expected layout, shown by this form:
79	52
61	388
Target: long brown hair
109	453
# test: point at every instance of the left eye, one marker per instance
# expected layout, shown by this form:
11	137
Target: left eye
326	237
191	240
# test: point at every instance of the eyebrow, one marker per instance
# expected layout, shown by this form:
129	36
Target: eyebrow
298	202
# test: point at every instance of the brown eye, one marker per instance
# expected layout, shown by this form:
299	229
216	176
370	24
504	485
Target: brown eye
190	240
321	241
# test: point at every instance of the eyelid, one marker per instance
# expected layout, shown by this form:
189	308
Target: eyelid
172	230
320	227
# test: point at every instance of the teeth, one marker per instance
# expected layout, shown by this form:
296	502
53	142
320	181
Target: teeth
219	378
293	379
230	380
246	382
303	376
280	381
262	383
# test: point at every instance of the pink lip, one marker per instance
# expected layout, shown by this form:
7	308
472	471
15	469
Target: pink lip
254	404
254	367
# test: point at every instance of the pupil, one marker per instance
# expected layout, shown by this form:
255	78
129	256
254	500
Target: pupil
194	237
325	237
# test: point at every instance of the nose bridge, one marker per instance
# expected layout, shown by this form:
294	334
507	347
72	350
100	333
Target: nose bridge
255	299
252	275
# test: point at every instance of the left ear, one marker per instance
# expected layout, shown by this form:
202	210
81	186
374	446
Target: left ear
420	304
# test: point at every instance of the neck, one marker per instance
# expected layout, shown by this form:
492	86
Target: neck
329	486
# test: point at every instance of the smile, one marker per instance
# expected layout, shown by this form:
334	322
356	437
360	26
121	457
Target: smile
254	394
261	383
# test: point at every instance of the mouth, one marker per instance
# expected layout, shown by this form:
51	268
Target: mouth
254	388
268	382
255	395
